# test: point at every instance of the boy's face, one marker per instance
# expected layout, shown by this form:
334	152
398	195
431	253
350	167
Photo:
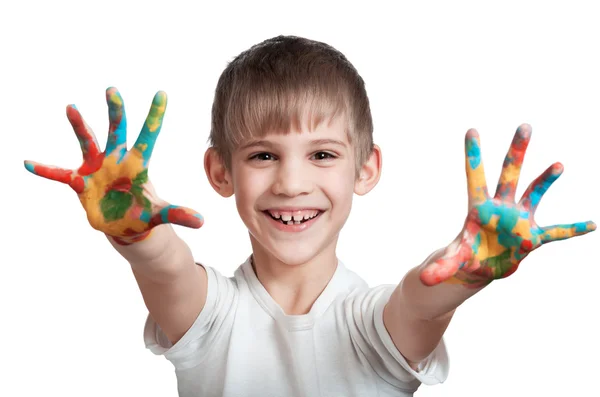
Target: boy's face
294	191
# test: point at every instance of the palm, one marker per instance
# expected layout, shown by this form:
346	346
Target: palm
499	232
113	185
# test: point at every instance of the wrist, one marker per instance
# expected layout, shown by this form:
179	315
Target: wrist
130	239
159	254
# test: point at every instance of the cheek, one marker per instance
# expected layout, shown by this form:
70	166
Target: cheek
340	190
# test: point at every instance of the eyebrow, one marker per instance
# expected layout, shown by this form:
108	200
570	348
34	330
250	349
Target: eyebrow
314	142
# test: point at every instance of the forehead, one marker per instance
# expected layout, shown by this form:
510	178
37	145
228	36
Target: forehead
332	131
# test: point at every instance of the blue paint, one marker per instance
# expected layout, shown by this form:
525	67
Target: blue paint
30	167
473	153
509	241
164	213
508	217
147	138
476	244
145	216
122	153
580	227
119	135
486	210
540	189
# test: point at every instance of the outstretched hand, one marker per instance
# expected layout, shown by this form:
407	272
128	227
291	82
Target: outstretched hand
498	232
113	185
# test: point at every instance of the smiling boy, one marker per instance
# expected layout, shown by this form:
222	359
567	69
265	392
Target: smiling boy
291	139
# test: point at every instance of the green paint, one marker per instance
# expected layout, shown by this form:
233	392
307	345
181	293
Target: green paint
499	264
141	178
138	191
115	204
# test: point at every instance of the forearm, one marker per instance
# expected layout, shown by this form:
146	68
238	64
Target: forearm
159	256
417	315
430	302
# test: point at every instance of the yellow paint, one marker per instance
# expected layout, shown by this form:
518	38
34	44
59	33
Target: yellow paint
130	167
476	183
523	228
510	174
114	98
157	112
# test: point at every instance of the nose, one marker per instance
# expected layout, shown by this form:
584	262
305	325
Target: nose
292	179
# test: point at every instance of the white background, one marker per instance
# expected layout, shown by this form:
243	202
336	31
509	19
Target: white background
71	313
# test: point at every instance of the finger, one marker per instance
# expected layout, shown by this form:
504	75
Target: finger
446	267
476	184
511	169
56	174
533	195
49	171
177	215
85	135
117	130
147	138
563	232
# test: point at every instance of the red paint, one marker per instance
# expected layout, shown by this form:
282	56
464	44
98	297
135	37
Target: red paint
182	217
78	184
122	184
510	271
91	164
131	237
56	174
89	146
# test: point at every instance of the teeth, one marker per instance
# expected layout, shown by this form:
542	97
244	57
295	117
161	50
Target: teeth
291	218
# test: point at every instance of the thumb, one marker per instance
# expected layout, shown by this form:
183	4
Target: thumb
177	215
445	266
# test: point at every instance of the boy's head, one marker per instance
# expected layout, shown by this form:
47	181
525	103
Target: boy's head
292	138
277	85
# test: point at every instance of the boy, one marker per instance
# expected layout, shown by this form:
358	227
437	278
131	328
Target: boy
291	138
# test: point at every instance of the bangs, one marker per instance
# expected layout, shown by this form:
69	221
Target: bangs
271	108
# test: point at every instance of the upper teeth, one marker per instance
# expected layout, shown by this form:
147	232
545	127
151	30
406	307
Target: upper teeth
297	216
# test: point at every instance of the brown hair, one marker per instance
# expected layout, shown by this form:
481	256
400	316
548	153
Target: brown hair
276	84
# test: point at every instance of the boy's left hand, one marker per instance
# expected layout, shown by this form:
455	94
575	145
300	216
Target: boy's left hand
498	232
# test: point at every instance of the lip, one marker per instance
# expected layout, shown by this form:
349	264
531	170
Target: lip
293	209
291	228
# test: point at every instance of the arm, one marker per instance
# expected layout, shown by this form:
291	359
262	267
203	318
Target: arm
417	315
120	201
498	234
174	288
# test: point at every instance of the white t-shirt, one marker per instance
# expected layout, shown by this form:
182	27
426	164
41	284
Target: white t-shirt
243	345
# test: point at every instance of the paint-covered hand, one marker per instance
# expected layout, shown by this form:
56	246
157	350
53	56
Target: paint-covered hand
498	232
113	185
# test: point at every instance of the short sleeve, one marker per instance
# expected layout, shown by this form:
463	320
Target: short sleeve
365	312
211	324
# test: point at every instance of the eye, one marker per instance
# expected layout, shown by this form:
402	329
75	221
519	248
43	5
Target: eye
324	156
264	156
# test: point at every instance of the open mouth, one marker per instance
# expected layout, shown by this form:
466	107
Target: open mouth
295	218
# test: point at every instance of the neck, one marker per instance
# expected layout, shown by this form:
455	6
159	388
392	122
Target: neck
294	286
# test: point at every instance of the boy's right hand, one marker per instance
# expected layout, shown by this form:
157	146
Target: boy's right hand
113	185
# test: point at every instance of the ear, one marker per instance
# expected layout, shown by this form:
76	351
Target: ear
369	174
218	175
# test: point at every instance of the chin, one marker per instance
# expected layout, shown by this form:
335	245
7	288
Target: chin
292	253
